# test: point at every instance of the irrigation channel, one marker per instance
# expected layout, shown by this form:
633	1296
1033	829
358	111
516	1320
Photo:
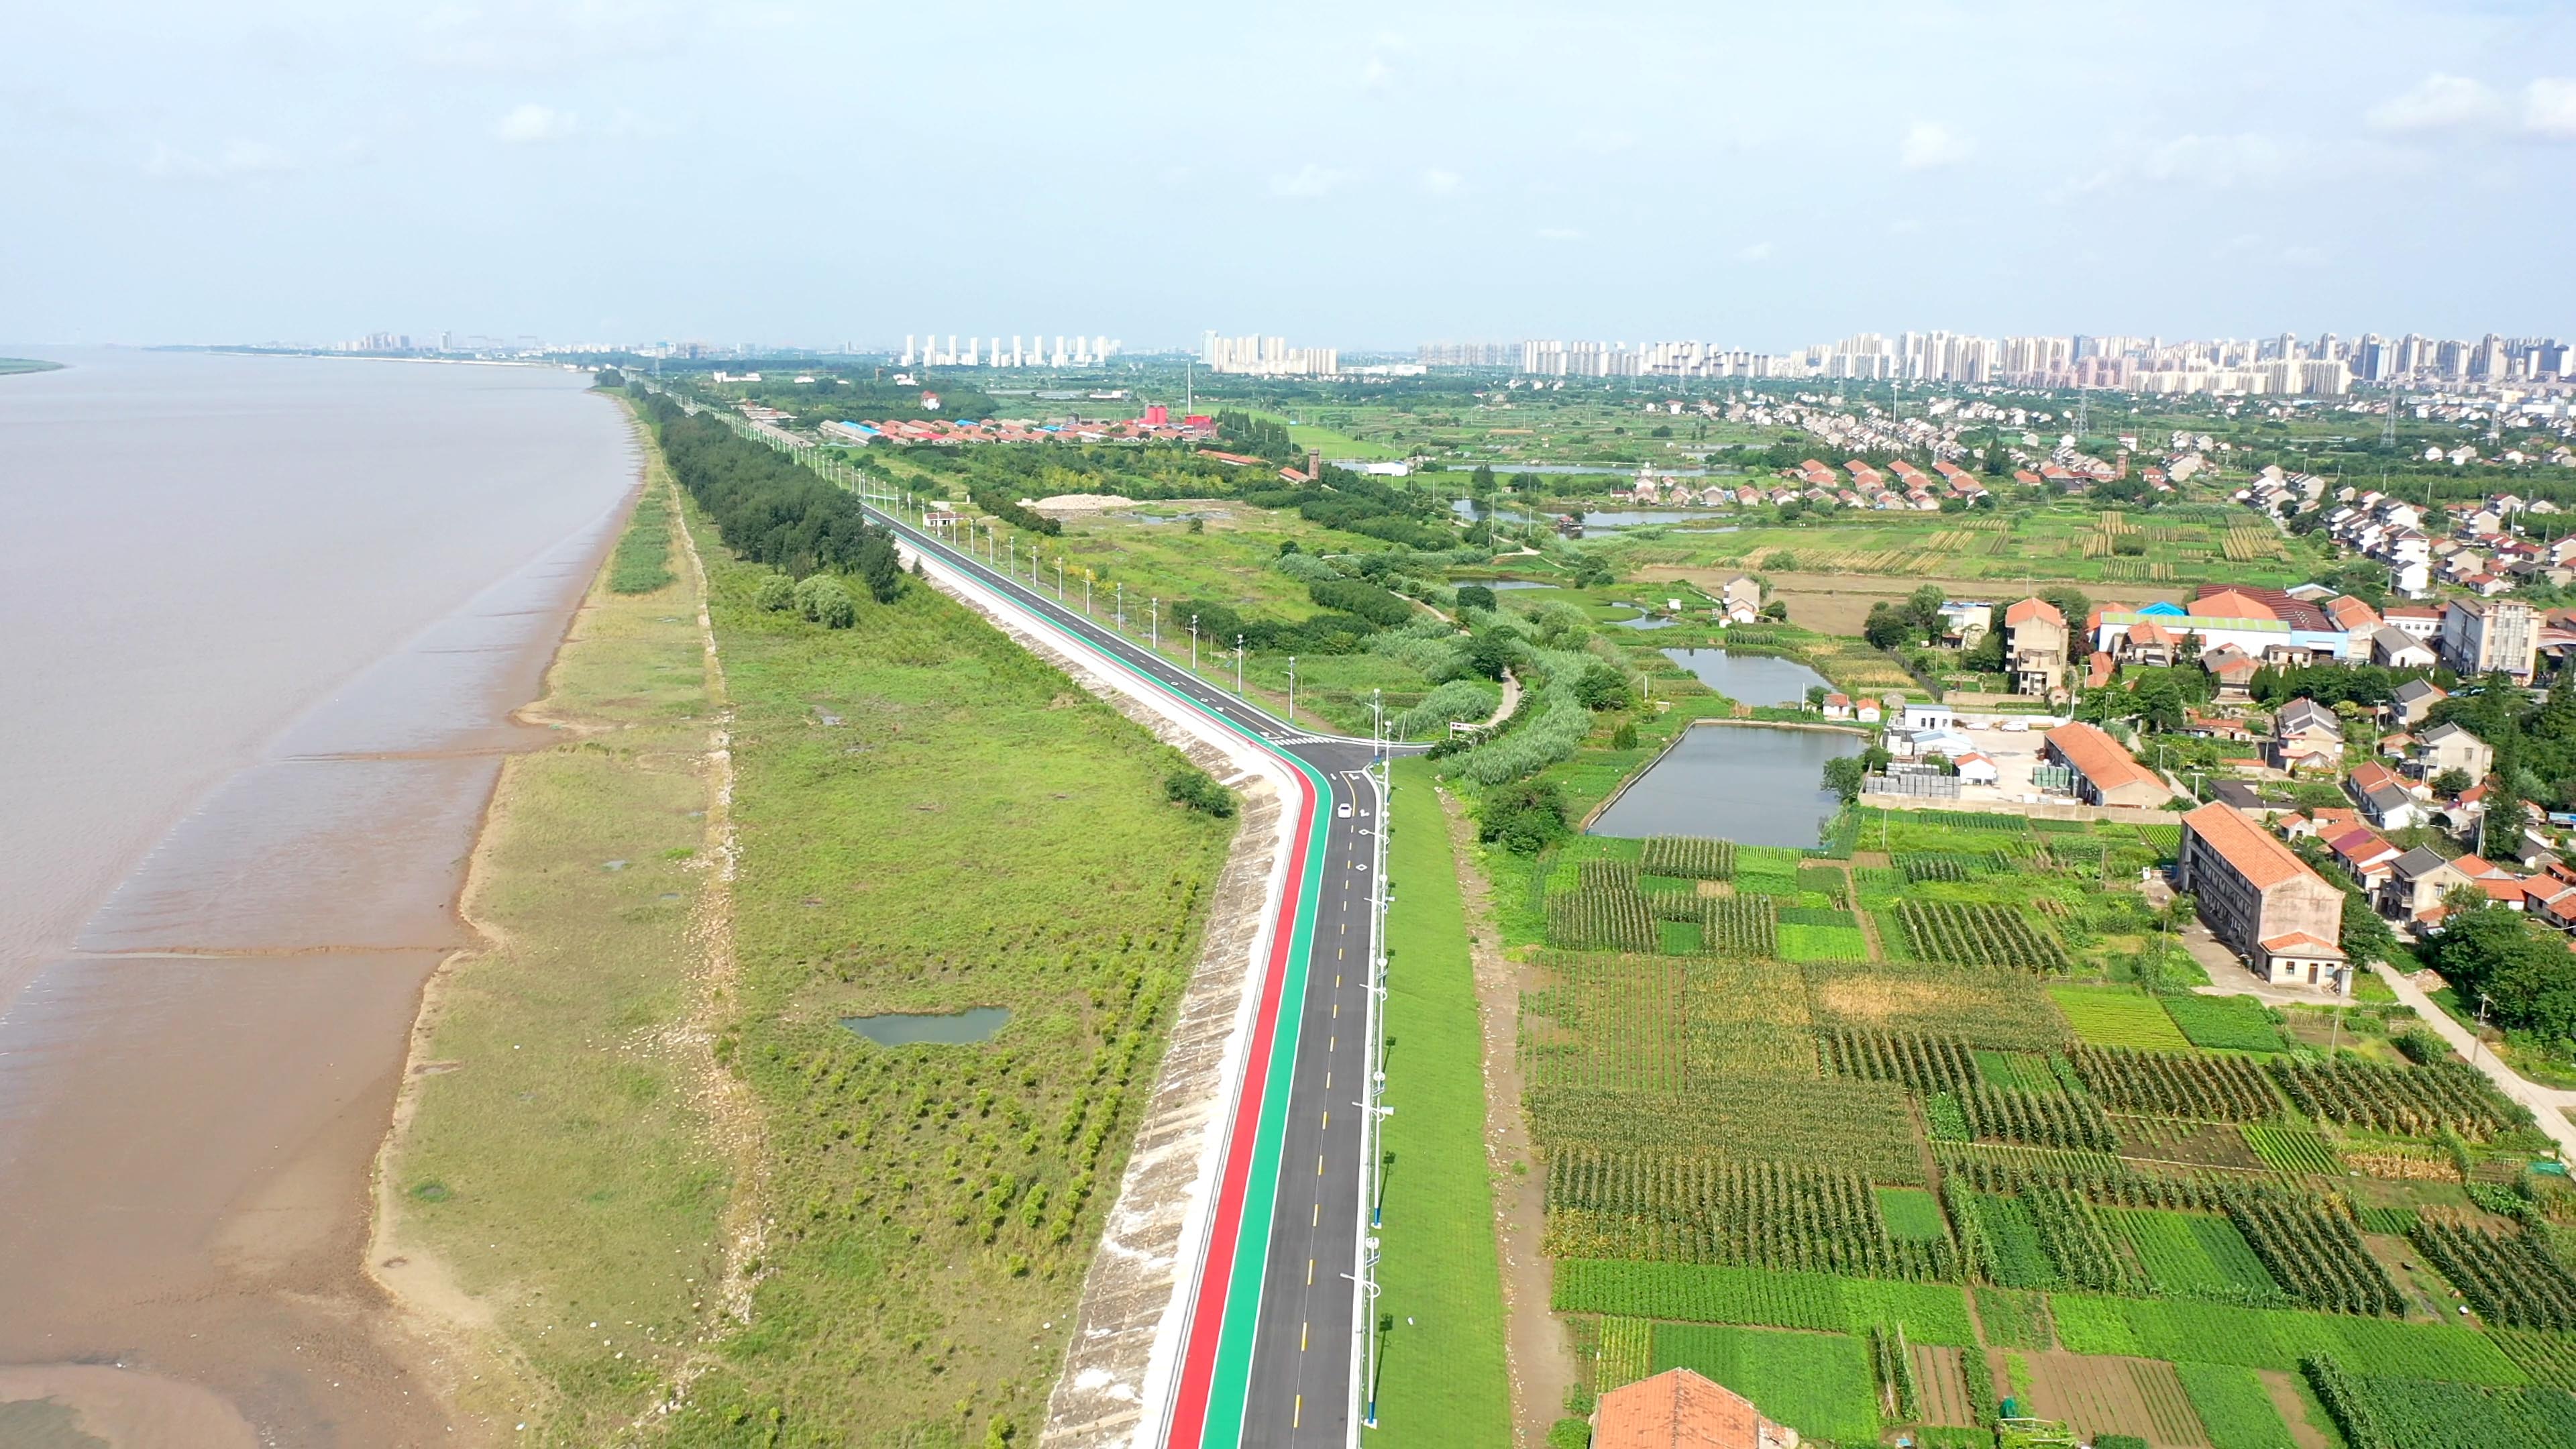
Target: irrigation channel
1270	1335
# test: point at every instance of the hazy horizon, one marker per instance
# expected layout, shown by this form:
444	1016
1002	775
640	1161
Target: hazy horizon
1358	177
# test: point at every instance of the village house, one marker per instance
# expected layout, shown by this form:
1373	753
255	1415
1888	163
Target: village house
2383	797
2035	641
2261	900
1838	706
2305	736
2105	774
1679	1409
1741	600
2364	855
2447	747
2414	699
2415	885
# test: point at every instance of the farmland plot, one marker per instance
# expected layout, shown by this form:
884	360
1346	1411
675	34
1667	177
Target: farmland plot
2098	1396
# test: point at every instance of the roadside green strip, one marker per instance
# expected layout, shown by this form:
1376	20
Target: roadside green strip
1441	1380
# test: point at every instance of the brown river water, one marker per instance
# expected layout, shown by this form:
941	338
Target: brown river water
263	625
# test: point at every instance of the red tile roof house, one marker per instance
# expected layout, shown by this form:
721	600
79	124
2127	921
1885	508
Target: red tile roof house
2259	898
2364	856
1678	1409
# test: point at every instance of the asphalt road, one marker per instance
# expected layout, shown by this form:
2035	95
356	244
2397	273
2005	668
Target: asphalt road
1304	1355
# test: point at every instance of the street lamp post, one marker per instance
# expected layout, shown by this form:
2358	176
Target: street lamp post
1059	578
1086	593
1154	624
1292	689
1194	643
1119	604
1238	666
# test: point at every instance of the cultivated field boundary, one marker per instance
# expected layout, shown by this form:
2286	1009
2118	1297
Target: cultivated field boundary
1122	1358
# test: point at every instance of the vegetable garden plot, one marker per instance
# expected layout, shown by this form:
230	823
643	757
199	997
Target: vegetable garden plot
1613	1022
2314	1253
1911	1213
2095	1396
1746	1018
2072	1233
2177	1084
1659	1208
2234	1406
1739	926
1688	856
2016	1256
2549	1358
1978	935
2116	1016
1921	1063
1818	1384
2226	1023
1980	1007
2291	1149
1941	1386
2403	1101
1822	942
1861	1126
2275	1338
1680	1293
1601	920
2196	1255
2509	1279
1626	1354
2396	1412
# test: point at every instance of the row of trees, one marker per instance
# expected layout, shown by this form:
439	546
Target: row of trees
772	509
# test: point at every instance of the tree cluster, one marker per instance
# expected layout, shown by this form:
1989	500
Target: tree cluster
2523	971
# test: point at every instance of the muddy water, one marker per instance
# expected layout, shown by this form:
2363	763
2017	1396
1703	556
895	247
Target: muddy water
265	624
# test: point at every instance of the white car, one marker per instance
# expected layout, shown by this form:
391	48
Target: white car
1342	811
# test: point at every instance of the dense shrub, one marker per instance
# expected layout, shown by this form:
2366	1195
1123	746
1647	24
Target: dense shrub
822	600
1199	791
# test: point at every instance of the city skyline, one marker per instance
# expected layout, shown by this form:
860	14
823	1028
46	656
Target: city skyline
1510	173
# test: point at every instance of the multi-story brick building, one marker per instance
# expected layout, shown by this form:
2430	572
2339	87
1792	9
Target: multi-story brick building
2284	919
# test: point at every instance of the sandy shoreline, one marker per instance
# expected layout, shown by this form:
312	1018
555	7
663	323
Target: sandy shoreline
274	946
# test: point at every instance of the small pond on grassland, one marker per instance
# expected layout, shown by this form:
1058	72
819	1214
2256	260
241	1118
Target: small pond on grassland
1750	678
940	1028
1753	784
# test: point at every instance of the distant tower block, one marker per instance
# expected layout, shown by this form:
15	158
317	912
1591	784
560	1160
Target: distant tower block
907	350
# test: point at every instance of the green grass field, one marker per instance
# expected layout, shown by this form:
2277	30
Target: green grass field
1442	1381
2224	1023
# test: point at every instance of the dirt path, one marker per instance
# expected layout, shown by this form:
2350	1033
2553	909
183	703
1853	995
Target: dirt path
1535	1349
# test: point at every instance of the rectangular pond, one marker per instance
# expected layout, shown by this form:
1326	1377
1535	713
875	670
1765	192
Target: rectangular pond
942	1028
1750	678
1753	784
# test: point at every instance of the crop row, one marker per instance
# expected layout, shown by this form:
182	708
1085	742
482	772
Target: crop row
2511	1281
2173	1084
1602	874
2075	1239
1978	935
2406	1101
1601	920
1641	1205
1688	857
2293	1150
1739	926
1935	1313
1923	866
2043	1119
2314	1253
2389	1412
1922	1063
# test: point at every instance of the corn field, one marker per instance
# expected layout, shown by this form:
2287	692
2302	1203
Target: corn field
1925	1064
2042	1119
2401	1101
2172	1084
1689	857
2314	1253
1601	920
2510	1281
1683	1210
1978	935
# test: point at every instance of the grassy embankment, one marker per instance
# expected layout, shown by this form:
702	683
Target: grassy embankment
555	1163
1442	1380
929	818
12	365
932	819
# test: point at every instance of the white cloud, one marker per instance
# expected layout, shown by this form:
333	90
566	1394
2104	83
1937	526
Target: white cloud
1443	183
2438	103
1376	73
2237	160
1755	252
1308	180
238	159
2549	108
1559	234
1928	145
533	123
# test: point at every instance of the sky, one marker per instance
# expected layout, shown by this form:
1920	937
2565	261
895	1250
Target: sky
1370	176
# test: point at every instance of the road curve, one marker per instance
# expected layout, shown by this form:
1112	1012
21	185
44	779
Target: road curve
1271	1352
